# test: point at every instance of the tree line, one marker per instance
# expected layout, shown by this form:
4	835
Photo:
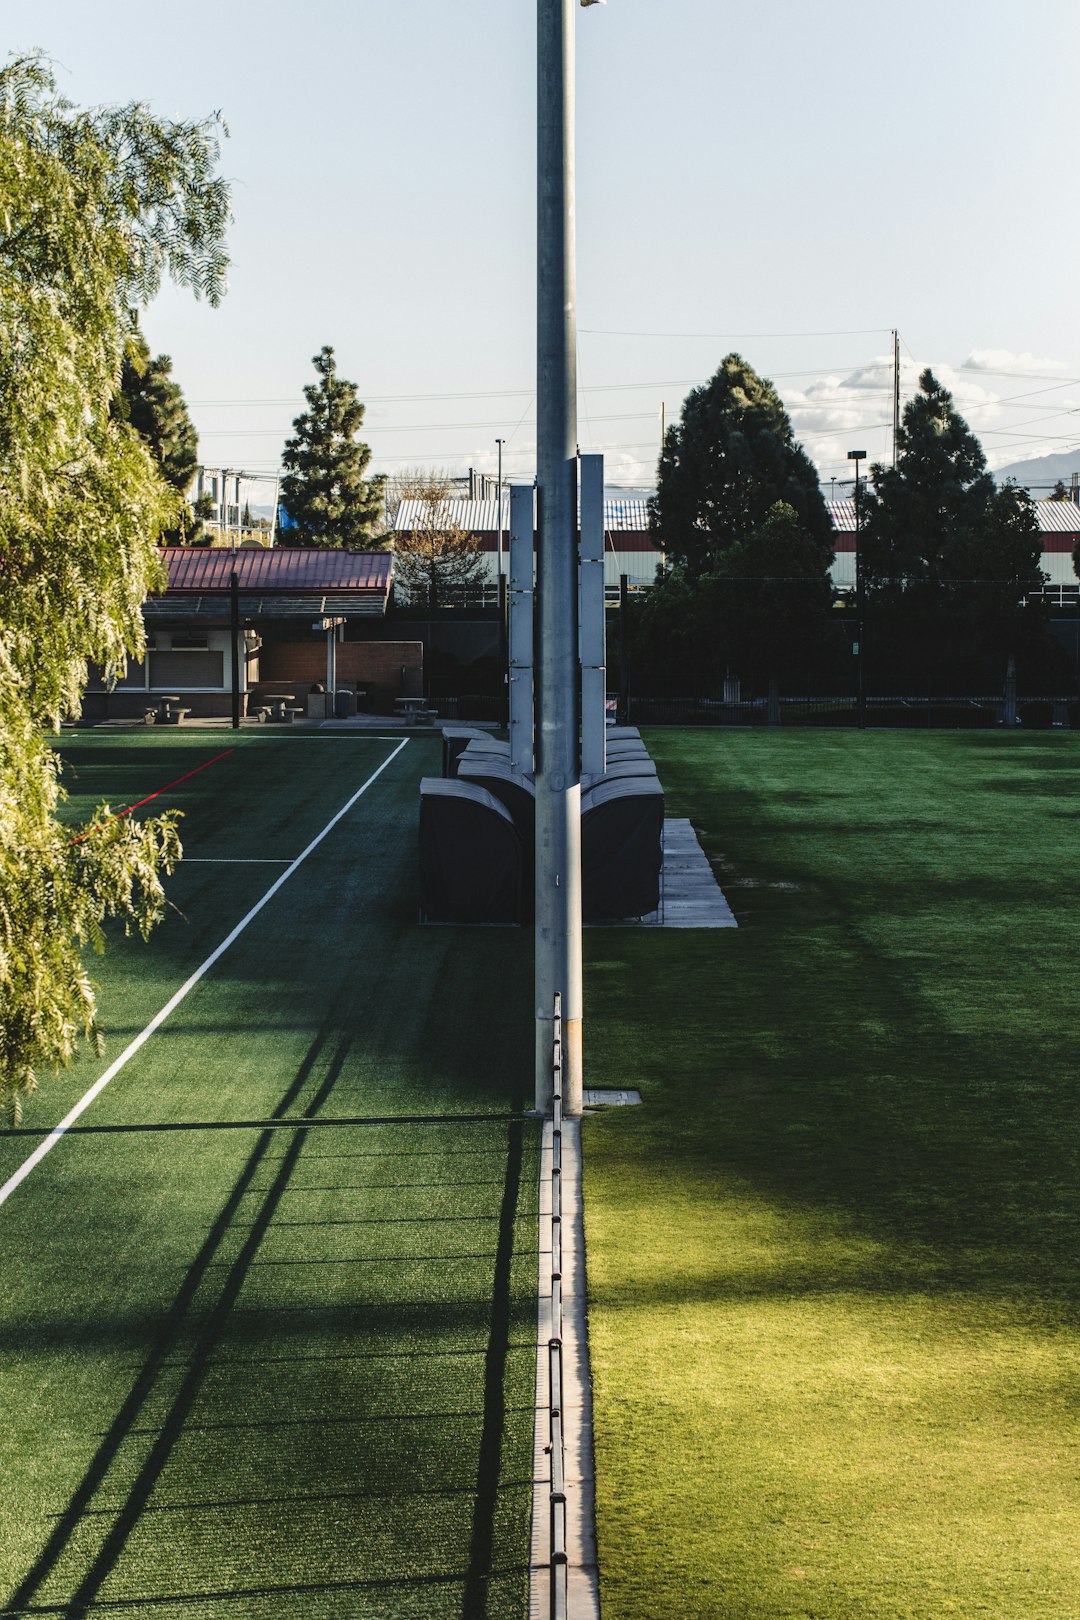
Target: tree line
949	564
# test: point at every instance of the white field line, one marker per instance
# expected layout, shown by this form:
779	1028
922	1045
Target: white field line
235	860
20	1175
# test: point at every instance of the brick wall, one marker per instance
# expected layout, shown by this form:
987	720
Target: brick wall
384	669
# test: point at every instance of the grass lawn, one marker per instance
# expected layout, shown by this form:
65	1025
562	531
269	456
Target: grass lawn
267	1312
833	1258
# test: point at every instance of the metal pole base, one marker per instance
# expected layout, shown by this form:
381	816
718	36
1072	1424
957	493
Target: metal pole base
572	1074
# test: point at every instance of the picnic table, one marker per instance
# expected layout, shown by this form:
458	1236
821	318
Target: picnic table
167	715
279	703
415	709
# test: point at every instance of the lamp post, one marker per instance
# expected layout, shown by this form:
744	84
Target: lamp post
558	780
501	596
856	456
499	518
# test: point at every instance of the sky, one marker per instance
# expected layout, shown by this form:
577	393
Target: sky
792	182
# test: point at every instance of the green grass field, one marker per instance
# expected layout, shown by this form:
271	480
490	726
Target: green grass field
268	1308
833	1258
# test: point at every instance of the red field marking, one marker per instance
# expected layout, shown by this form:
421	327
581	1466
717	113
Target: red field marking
205	766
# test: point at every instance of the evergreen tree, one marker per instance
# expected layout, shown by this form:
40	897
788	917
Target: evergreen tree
942	548
153	403
724	466
771	595
323	489
97	205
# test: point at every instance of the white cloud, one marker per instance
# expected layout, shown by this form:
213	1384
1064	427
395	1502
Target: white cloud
836	414
1004	363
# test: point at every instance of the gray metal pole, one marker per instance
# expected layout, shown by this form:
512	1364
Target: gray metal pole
558	786
522	628
593	652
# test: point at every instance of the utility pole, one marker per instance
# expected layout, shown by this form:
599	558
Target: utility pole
499	514
234	638
895	395
860	605
558	783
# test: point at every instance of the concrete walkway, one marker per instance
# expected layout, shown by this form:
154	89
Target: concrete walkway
583	1586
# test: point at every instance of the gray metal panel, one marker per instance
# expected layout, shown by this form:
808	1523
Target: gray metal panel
522	524
593	672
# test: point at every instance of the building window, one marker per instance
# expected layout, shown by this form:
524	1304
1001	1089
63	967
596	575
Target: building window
186	670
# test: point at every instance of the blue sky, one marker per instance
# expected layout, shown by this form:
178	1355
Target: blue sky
783	179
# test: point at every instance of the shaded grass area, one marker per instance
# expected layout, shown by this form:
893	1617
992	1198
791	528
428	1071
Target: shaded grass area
277	1358
833	1259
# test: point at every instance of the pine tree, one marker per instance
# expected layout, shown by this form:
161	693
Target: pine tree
324	489
771	595
724	466
937	519
943	551
97	205
153	403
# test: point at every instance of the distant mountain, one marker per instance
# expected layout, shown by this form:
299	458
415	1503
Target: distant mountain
1041	474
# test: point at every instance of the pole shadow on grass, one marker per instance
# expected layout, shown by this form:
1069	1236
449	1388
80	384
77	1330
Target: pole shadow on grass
204	1319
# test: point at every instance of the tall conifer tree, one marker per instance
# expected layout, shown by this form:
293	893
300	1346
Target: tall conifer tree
726	464
324	491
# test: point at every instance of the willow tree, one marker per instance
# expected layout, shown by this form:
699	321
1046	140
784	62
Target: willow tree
96	206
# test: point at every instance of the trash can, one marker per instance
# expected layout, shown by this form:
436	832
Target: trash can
344	703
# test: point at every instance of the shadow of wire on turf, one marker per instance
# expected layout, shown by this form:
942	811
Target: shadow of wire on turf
404	1484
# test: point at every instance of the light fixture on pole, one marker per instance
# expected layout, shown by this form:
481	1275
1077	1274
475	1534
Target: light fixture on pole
856	456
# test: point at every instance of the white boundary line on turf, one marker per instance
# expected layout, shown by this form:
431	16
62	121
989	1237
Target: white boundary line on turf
174	1001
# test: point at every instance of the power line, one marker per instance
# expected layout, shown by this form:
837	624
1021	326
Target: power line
862	331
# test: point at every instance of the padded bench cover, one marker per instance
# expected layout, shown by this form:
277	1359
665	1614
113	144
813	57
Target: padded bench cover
470	855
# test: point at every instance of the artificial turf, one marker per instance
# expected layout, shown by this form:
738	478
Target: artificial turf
833	1257
268	1309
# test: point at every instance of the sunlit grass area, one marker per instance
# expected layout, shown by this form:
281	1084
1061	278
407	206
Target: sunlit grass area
268	1310
833	1258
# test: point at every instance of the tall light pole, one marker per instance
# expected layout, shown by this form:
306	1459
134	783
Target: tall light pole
558	781
502	591
499	518
856	456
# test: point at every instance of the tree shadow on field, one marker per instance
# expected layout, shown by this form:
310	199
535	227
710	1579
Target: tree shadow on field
338	1399
889	1050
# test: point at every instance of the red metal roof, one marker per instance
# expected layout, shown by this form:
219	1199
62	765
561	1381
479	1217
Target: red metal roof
280	568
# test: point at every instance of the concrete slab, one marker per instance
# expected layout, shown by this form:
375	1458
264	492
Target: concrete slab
690	896
583	1585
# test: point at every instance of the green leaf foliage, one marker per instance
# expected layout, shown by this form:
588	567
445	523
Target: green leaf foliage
154	404
939	539
771	594
724	466
323	488
95	207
